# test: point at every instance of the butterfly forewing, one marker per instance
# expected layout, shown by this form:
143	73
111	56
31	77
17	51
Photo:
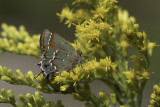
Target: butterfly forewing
58	42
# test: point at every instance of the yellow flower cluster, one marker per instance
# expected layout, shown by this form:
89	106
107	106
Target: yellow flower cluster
131	36
133	76
19	41
30	100
79	16
105	98
107	30
100	12
92	30
88	71
88	23
155	97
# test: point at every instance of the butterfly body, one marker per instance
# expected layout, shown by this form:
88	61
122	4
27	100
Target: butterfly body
57	54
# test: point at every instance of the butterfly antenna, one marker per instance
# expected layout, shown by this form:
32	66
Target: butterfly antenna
37	75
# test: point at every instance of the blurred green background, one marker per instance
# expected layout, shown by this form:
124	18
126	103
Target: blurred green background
40	14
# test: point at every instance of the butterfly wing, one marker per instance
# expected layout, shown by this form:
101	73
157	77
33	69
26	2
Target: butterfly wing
52	40
57	54
44	38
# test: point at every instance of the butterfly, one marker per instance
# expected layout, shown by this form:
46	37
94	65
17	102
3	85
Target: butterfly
57	54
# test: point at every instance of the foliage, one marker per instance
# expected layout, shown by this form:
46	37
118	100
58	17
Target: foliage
19	41
31	101
155	97
118	52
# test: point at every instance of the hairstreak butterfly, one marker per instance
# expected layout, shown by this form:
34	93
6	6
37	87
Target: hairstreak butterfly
57	54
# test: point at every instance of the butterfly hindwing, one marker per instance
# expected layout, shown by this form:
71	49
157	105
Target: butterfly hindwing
64	60
59	58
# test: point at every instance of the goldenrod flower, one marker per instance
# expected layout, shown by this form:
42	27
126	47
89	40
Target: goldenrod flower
130	75
64	87
124	44
100	12
150	47
67	13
